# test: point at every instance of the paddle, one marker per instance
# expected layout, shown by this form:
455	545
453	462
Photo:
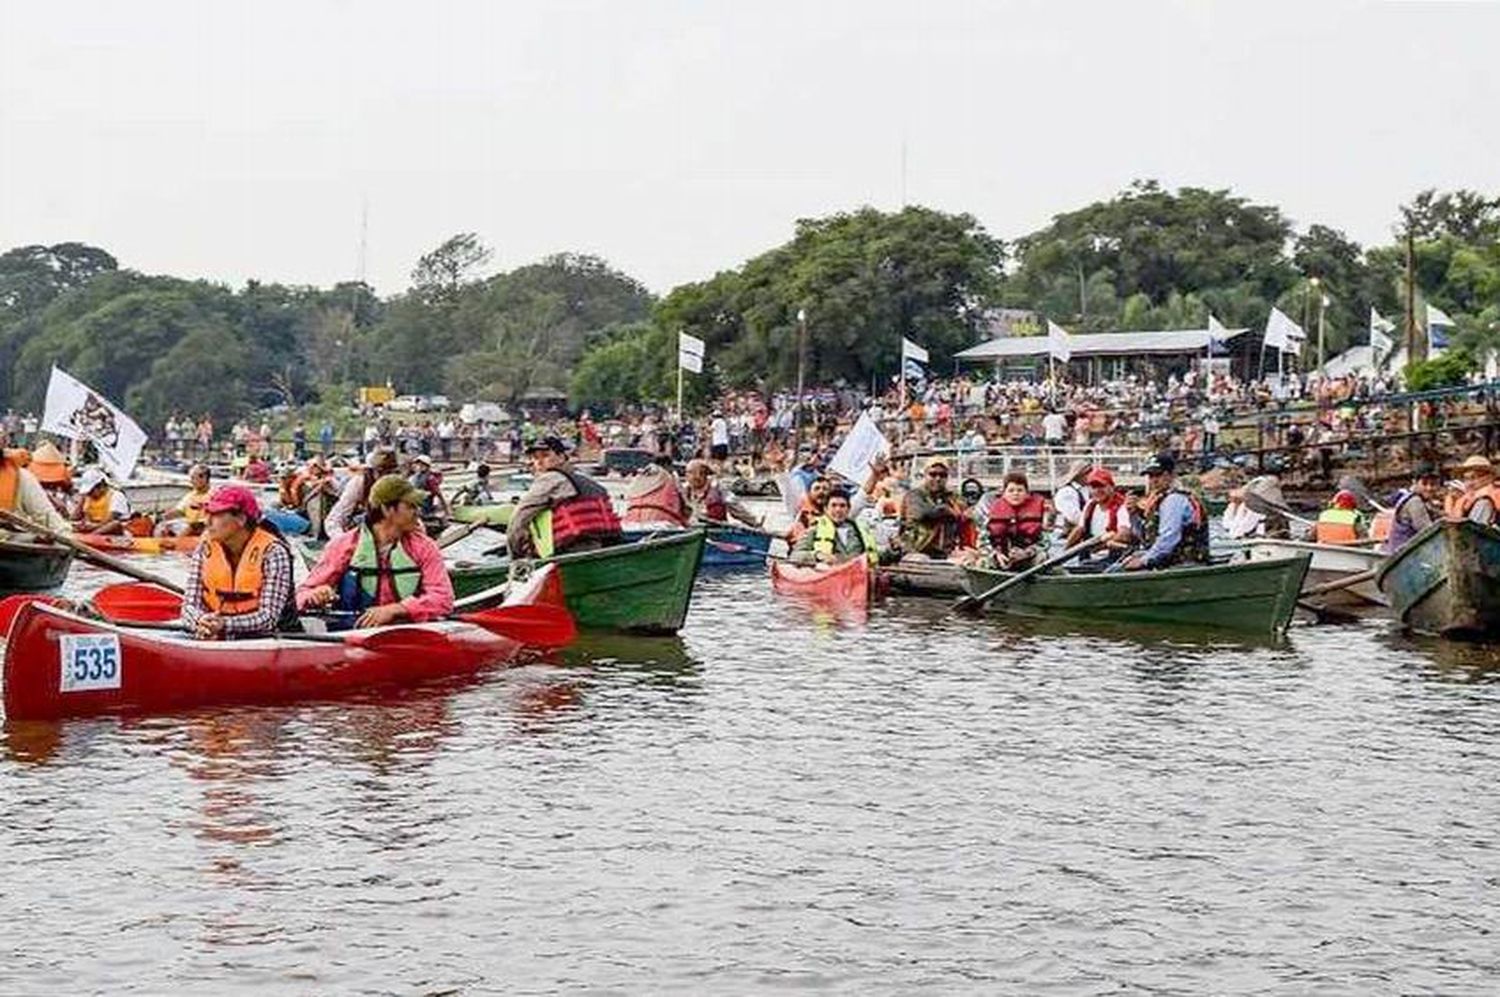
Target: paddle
1266	507
85	552
975	601
535	626
456	533
1341	583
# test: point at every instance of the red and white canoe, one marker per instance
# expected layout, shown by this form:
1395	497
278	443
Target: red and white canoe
59	664
836	586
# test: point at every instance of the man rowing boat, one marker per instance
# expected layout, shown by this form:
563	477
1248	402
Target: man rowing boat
240	578
563	510
1174	525
387	570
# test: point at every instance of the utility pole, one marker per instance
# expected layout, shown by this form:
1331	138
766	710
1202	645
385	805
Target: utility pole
1413	415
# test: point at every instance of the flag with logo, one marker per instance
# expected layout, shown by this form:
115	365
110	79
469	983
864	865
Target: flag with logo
690	352
1381	343
1439	329
1218	336
77	412
1283	334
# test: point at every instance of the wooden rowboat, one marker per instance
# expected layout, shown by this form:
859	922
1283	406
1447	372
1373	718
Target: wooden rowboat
921	576
1256	597
1330	563
731	547
1446	581
642	587
32	567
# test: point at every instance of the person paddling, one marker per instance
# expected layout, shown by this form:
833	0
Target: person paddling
834	537
239	581
385	571
189	517
1105	514
1411	510
102	508
706	501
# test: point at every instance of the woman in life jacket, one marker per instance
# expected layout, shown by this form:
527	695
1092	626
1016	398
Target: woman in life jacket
240	578
386	571
1014	524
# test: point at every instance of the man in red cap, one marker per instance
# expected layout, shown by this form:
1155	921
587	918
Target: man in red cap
240	580
1104	514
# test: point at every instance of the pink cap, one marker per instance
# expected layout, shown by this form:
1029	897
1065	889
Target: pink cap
233	498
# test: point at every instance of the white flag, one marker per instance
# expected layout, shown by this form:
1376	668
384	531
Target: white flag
1439	329
690	352
911	351
1282	333
1381	342
860	447
1059	342
77	412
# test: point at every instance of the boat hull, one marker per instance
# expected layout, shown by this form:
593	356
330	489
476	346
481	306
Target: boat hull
840	587
644	587
488	515
914	576
32	567
1248	597
1446	581
728	548
1330	563
149	671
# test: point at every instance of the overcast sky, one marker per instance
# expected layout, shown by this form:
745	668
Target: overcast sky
680	138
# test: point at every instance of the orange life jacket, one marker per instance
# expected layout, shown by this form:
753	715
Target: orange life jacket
10	482
96	510
234	590
1468	500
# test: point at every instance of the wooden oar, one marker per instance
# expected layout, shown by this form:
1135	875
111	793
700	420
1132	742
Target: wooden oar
85	552
1266	507
969	602
535	626
453	536
1342	583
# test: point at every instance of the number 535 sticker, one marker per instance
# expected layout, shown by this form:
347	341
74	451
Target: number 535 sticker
91	661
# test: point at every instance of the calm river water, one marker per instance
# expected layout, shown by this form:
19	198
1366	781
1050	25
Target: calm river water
776	803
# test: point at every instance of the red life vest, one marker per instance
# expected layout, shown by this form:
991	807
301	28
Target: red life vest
587	515
1113	508
1016	525
661	504
714	506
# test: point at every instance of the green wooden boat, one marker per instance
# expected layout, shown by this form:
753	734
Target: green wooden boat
642	587
1446	581
489	515
915	575
1257	597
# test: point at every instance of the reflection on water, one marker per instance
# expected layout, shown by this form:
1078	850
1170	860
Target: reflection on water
918	802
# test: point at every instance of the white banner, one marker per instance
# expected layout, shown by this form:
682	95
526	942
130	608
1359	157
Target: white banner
911	351
1381	342
864	442
690	361
689	344
76	411
1282	333
1059	342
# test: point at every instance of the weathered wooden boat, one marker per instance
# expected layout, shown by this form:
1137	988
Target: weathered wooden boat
1446	581
919	576
839	587
642	587
32	567
1330	563
731	547
1255	597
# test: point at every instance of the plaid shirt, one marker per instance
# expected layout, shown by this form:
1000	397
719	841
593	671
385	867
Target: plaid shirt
276	569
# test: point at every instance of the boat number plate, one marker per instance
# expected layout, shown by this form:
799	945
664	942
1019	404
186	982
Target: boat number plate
91	661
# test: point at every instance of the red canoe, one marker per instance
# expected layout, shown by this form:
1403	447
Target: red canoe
59	664
838	586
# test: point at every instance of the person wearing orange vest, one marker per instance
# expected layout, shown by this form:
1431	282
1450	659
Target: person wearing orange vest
240	578
1014	523
188	516
1341	522
1480	499
102	508
21	493
653	497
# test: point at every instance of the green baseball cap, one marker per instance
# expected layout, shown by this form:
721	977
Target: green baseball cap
392	489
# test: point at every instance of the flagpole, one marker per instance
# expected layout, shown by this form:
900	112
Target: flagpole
679	388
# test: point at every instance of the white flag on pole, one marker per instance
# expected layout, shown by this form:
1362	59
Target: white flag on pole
1059	342
690	352
911	351
1381	342
78	412
861	446
1439	329
1217	334
1283	334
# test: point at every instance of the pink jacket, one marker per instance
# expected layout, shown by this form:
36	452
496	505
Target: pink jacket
433	602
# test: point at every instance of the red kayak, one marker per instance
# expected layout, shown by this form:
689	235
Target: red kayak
836	586
60	664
